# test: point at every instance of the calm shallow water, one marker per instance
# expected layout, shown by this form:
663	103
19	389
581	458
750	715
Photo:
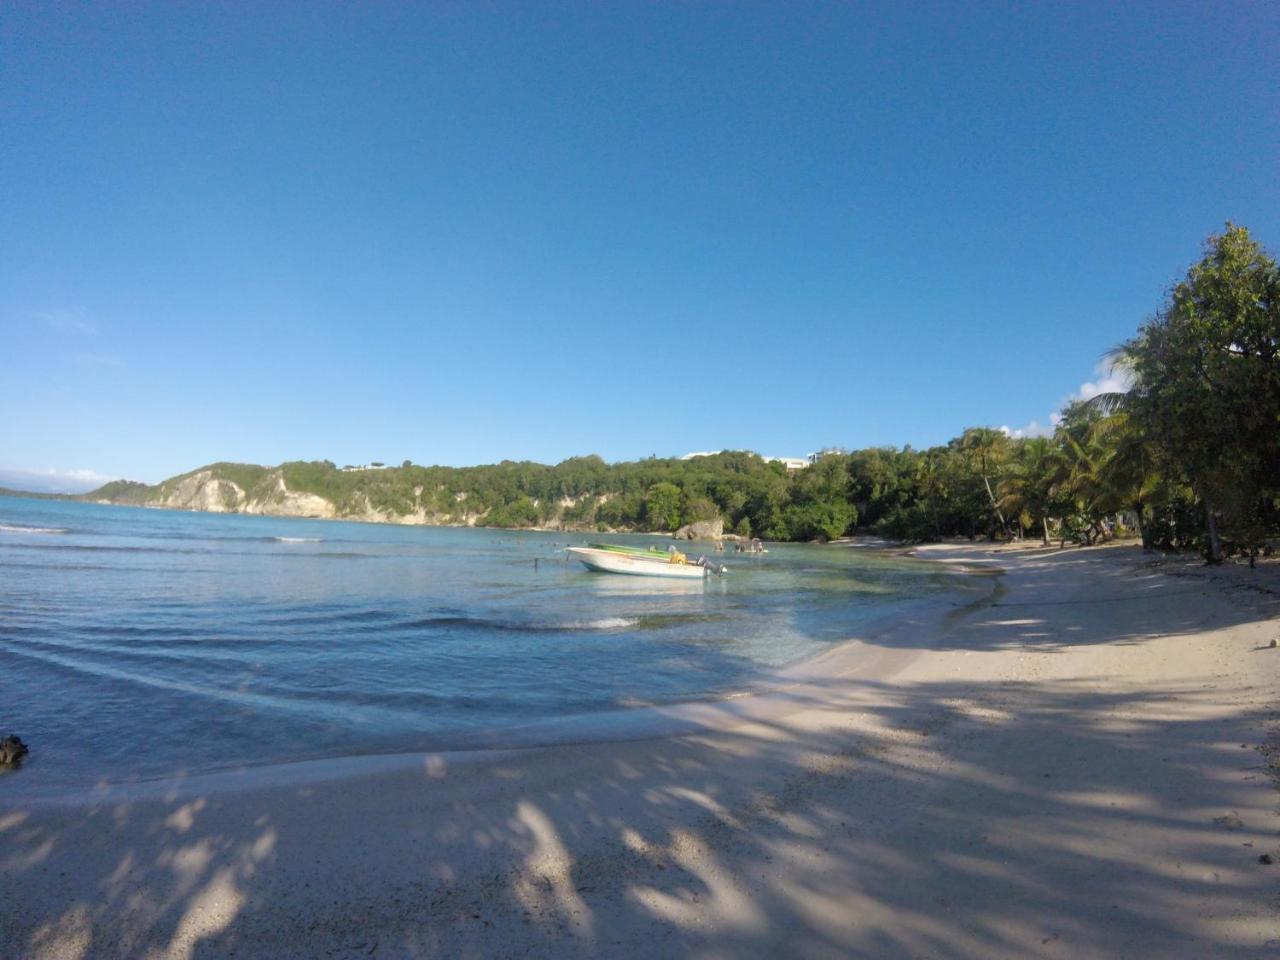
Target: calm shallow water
141	643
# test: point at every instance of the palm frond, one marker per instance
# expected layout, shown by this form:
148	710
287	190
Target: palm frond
1113	424
1106	404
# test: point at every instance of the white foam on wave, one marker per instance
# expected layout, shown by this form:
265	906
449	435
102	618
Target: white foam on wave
605	623
299	539
19	528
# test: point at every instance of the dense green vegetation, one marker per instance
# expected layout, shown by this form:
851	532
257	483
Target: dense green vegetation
1204	411
1189	457
31	494
122	491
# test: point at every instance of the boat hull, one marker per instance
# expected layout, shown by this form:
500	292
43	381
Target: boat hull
605	561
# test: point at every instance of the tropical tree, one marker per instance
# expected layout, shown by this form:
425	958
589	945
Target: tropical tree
1029	491
882	482
662	506
820	507
1207	383
1130	468
984	452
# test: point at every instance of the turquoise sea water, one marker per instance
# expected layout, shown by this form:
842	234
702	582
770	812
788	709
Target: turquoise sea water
145	643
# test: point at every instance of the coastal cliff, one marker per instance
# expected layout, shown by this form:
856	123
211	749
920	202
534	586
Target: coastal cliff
205	490
736	492
321	490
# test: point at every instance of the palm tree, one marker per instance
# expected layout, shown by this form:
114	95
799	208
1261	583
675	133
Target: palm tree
985	450
1131	469
1080	480
1028	490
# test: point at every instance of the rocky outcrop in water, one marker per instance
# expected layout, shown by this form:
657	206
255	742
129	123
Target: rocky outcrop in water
11	751
702	530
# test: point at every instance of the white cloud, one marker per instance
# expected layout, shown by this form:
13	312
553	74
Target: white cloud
85	476
52	481
1109	379
1033	429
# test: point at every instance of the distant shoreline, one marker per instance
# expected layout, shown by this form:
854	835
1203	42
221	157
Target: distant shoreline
78	498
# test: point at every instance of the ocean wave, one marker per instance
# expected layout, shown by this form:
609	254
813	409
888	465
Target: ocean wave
202	536
605	623
314	618
524	626
107	548
23	528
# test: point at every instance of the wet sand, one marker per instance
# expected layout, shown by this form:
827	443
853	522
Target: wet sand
1071	760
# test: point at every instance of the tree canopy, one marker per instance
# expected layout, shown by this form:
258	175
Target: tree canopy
1206	391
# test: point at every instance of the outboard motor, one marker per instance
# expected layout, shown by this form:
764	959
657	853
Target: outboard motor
717	568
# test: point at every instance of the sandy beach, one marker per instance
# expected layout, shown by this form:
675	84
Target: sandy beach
1075	757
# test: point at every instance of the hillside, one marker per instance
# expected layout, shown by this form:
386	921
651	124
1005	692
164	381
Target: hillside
32	494
580	493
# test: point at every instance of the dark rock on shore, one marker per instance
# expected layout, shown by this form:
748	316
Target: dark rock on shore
11	751
702	530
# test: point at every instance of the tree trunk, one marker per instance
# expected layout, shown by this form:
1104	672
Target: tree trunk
1045	520
1142	527
1004	527
1215	542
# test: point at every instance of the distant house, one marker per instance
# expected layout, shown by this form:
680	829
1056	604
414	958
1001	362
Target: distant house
364	466
826	452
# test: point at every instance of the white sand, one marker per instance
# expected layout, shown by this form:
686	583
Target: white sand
1075	766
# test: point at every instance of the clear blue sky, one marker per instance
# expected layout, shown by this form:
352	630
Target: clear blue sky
463	232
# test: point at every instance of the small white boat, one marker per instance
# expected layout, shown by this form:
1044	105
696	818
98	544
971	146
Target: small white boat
610	561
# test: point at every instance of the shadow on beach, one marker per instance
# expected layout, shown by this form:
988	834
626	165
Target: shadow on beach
990	817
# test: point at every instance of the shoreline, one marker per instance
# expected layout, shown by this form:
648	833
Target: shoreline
1082	766
393	521
769	695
